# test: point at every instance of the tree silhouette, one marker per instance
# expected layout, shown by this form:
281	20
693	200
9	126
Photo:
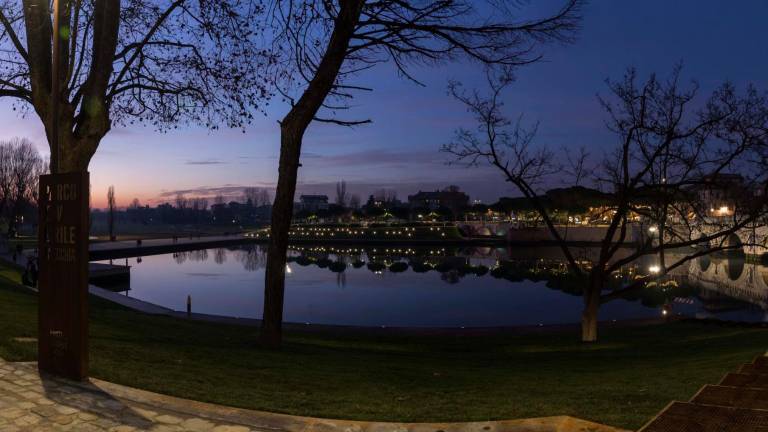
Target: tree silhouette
20	167
111	207
341	193
668	157
354	202
160	63
250	196
324	43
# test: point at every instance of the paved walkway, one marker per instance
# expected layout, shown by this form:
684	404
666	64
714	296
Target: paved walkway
739	403
31	403
181	240
127	248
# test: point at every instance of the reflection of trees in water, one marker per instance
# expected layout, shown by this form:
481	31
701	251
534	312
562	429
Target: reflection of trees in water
454	264
196	256
180	257
395	260
220	256
450	277
252	257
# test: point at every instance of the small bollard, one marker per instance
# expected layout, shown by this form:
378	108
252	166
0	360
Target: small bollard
189	305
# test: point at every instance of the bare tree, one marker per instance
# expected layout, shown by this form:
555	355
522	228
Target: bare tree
264	199
219	200
668	157
323	43
25	165
354	201
111	208
202	204
250	195
182	202
134	211
6	177
386	196
41	167
160	63
341	193
256	197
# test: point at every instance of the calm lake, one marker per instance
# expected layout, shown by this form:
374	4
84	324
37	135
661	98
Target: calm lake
433	287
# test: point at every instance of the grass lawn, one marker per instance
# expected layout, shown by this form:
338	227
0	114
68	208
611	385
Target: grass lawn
621	381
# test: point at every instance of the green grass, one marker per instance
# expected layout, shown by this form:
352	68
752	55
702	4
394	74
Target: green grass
622	381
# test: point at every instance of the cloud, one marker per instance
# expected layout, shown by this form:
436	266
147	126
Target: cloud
205	162
484	184
376	157
227	190
304	154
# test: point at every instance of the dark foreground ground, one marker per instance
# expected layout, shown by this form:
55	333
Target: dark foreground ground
621	381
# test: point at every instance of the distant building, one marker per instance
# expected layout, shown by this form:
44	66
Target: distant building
313	203
451	198
721	193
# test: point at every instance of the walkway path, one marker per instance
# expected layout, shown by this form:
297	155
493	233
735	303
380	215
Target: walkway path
738	404
31	403
128	248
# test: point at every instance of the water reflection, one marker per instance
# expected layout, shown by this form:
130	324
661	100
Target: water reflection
194	256
220	256
728	283
486	286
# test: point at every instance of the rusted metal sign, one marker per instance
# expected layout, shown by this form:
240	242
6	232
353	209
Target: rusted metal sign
63	284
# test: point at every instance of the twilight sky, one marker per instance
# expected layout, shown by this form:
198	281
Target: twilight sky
715	39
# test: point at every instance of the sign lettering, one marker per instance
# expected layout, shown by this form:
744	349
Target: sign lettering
63	283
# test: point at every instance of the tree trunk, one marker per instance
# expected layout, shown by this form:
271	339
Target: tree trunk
282	212
591	309
292	131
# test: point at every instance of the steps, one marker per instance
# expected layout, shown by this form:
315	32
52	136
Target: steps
739	403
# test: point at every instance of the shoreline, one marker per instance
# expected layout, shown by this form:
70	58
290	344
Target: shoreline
129	249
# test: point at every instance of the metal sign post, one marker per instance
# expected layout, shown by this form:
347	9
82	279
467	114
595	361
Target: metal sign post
63	285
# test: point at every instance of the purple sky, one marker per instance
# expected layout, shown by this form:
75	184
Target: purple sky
716	40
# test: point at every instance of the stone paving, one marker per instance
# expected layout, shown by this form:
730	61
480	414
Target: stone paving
29	402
